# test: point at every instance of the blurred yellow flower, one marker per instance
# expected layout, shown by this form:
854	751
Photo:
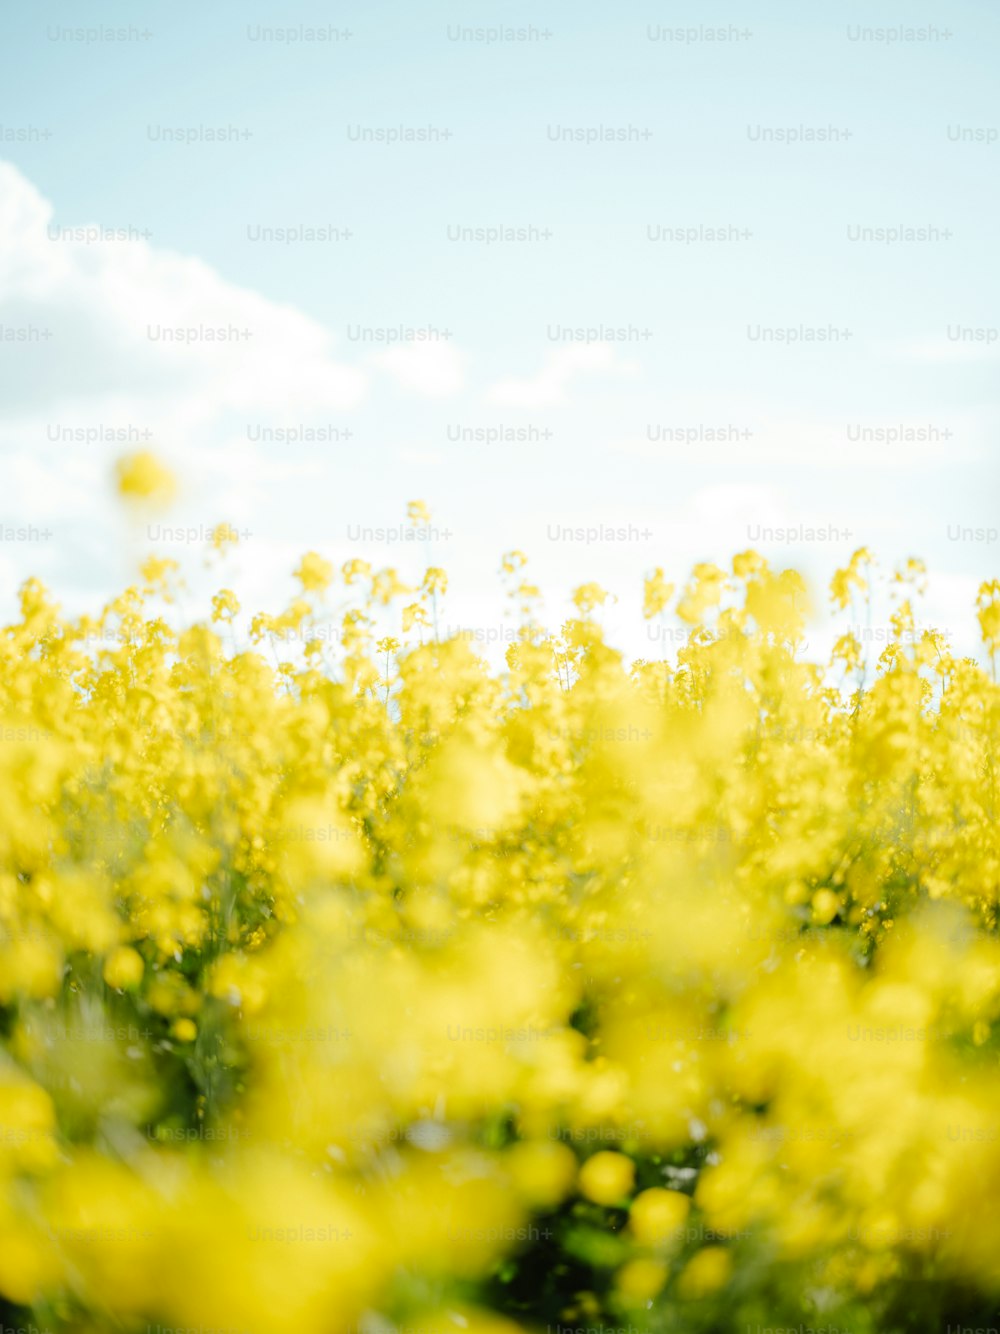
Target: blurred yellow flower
123	968
143	479
314	573
607	1177
362	983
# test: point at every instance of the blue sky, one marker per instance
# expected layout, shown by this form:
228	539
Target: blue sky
923	153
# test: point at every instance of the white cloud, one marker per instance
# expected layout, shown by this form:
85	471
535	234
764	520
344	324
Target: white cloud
423	458
435	370
81	350
562	366
108	308
832	444
969	343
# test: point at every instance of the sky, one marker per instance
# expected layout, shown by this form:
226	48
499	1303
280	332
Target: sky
621	286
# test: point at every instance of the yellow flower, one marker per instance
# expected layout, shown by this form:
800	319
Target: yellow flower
386	585
589	596
656	594
749	565
641	1279
706	1272
224	605
657	1215
155	570
825	906
223	535
123	968
512	561
607	1177
855	575
988	603
435	580
142	478
413	615
330	975
543	1171
355	569
703	592
314	573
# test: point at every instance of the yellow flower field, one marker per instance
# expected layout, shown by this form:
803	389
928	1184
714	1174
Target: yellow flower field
358	986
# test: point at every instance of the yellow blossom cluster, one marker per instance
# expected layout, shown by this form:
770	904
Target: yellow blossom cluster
374	989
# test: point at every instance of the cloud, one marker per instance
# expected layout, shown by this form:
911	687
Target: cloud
965	343
422	458
435	370
549	387
722	434
121	326
88	371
